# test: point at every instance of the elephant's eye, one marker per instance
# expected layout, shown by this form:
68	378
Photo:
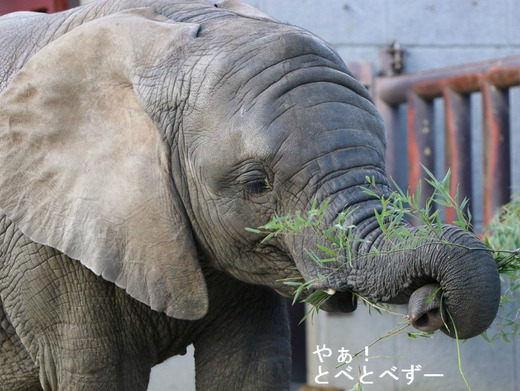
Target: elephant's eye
257	186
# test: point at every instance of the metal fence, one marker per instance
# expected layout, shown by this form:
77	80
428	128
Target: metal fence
413	105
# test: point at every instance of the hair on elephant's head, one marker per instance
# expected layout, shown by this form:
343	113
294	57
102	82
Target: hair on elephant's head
153	148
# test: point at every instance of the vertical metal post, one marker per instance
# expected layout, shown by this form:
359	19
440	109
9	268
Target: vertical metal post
458	146
497	160
62	5
421	144
394	145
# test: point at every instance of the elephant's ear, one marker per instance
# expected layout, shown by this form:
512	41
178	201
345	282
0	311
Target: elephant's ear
242	9
84	170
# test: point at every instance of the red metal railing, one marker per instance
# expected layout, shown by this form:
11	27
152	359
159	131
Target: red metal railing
454	85
49	6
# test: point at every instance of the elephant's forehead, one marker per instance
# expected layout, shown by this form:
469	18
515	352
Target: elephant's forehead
247	55
259	77
282	90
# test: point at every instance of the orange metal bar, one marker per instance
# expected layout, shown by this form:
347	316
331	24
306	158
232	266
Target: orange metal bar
421	144
458	146
497	160
394	90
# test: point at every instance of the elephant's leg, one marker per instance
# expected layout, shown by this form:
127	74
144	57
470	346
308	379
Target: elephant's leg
17	370
81	331
247	344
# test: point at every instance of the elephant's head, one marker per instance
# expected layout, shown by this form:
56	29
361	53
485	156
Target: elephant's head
155	147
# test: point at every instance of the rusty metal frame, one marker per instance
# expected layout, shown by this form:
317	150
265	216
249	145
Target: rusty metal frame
454	85
49	6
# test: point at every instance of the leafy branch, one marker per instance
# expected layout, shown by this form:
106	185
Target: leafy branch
504	232
502	240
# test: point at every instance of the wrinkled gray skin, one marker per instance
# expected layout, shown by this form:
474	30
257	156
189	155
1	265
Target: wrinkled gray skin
135	149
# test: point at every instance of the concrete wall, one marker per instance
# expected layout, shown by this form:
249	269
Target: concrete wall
434	33
176	374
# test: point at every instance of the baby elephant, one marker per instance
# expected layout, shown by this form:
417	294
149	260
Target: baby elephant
138	141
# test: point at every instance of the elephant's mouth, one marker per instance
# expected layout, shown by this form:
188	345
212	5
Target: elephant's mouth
340	302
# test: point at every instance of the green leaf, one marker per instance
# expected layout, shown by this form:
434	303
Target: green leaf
379	219
327	250
326	260
421	334
314	203
333	239
313	256
272	234
370	192
433	295
428	172
292	283
443	202
300	289
324	206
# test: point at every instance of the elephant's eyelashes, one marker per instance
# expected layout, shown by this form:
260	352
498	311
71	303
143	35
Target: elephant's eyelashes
258	186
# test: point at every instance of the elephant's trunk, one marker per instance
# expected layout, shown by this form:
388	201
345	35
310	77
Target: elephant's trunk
425	309
451	282
469	295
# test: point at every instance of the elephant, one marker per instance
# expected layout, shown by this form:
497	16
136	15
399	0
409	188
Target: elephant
139	140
